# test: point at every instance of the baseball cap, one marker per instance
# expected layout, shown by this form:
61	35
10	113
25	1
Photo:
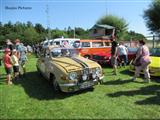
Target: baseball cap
7	50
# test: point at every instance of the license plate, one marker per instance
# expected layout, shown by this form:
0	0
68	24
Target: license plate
86	85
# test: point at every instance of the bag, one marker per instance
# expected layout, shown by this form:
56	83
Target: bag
137	62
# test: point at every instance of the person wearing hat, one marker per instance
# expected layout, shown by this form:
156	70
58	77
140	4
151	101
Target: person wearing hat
15	64
8	64
144	60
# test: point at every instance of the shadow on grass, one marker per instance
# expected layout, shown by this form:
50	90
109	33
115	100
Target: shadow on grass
106	66
148	90
38	87
126	72
117	82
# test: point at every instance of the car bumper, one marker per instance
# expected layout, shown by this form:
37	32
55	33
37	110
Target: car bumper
72	87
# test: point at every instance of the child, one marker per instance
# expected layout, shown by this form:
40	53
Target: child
15	63
8	64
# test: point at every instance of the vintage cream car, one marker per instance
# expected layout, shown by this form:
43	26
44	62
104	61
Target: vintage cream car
68	71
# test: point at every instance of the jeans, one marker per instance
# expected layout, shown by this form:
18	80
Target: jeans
124	58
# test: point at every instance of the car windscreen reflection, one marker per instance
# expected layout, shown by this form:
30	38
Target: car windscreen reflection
64	52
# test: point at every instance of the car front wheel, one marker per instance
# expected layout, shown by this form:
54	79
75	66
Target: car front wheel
55	84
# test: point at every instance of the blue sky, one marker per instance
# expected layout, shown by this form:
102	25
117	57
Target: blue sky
75	13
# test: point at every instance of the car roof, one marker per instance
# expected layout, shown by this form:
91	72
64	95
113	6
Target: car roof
94	40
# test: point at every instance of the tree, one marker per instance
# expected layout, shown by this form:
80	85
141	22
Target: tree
19	28
152	17
31	36
39	28
58	33
133	35
119	23
29	24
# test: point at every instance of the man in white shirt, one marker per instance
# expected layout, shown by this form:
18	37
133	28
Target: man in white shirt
123	53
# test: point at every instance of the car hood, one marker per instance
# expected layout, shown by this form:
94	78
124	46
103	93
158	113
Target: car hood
155	62
75	63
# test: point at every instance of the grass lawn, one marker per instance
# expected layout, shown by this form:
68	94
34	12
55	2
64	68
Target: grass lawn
118	97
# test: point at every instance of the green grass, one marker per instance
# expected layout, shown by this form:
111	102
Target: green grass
118	97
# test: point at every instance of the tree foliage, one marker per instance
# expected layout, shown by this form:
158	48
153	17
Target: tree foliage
119	23
31	34
132	35
152	17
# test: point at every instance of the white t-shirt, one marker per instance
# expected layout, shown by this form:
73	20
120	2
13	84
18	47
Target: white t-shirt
122	50
14	60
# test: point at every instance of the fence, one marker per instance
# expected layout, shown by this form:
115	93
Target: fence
151	42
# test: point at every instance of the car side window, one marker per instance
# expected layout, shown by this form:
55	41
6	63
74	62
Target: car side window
97	44
86	44
107	43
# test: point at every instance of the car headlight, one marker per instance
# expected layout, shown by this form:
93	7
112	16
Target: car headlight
84	77
98	71
72	76
94	76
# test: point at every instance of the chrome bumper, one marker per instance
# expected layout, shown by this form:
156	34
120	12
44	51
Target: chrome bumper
72	87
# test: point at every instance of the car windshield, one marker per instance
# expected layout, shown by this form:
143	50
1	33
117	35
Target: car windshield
155	52
64	52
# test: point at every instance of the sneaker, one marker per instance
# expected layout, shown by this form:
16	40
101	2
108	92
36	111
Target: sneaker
10	83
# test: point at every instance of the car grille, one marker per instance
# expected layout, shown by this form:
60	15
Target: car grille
88	78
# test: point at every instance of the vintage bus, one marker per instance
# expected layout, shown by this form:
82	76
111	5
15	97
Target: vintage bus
90	47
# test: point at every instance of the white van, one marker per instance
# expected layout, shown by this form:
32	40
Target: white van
63	42
46	43
67	42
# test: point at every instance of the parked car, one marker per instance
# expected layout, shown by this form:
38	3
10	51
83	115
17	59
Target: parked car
67	70
154	67
105	57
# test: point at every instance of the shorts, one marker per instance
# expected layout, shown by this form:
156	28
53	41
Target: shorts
16	69
113	60
8	70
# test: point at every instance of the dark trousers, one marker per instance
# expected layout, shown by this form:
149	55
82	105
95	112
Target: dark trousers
124	58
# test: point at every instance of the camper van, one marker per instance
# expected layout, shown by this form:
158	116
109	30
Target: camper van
63	42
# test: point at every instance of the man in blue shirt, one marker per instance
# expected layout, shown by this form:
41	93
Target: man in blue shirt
21	54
